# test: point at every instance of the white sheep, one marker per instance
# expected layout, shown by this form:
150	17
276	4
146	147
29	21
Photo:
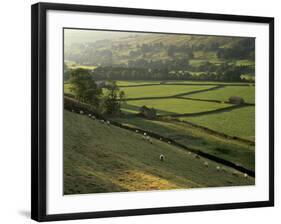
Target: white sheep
206	164
89	115
72	110
160	139
161	157
245	175
218	168
144	134
150	141
81	112
137	131
169	142
108	122
93	117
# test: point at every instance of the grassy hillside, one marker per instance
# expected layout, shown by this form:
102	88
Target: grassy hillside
196	138
239	122
104	158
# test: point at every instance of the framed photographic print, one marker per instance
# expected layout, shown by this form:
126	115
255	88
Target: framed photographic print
138	111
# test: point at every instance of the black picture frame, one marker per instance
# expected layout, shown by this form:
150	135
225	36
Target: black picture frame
39	122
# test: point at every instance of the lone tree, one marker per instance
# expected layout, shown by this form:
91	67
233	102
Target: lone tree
84	87
113	99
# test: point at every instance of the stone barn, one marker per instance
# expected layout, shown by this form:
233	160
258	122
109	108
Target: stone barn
149	113
236	100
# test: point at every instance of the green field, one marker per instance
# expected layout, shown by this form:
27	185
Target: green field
122	88
173	106
239	122
223	94
160	90
92	163
196	138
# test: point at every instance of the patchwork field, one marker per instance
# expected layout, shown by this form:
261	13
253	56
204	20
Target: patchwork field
132	164
92	163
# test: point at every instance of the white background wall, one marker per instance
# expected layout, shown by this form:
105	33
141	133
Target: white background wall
15	110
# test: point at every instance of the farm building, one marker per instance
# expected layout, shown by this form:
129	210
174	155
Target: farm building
236	100
149	113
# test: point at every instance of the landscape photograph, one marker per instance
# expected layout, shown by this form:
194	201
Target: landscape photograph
157	111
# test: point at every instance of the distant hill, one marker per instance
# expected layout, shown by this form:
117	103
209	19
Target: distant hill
118	48
194	54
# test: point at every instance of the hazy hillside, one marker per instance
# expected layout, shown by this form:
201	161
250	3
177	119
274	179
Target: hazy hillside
163	54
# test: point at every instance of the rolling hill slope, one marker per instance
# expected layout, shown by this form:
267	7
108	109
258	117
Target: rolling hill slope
104	158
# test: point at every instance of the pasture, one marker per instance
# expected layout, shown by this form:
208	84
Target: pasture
161	90
239	122
174	106
222	94
105	158
196	138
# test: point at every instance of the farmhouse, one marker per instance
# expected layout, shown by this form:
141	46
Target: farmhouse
149	113
236	100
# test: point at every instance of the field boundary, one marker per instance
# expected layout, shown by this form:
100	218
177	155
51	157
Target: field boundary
220	134
219	110
185	84
173	96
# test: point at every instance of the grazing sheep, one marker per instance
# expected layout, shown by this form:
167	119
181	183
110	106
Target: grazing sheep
93	117
218	168
72	110
189	153
169	142
197	156
160	139
81	112
161	157
137	131
102	121
235	173
108	122
150	141
143	138
245	175
223	169
206	164
89	115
